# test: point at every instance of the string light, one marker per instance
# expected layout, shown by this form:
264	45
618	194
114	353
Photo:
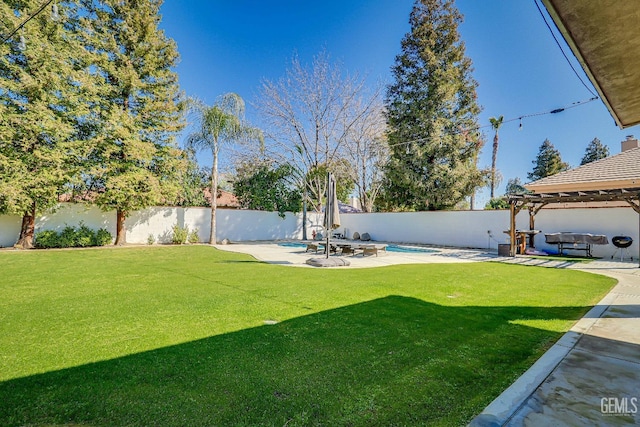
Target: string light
519	118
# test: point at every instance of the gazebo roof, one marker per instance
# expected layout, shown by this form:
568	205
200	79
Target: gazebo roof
621	171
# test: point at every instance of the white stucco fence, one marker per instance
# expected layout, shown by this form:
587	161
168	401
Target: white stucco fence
474	229
471	228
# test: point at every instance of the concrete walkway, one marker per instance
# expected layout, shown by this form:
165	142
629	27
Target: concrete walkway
590	377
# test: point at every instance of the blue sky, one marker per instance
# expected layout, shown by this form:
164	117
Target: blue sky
231	46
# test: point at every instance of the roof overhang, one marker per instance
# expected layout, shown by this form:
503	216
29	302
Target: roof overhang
604	37
584	186
622	194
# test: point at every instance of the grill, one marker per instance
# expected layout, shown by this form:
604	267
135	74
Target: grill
622	243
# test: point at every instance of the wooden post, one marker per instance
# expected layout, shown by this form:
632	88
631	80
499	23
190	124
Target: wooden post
512	227
636	207
532	226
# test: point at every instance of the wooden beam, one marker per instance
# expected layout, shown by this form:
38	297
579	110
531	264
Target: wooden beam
512	228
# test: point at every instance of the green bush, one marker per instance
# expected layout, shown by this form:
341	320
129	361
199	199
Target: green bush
46	239
84	236
193	236
151	239
103	237
180	235
70	237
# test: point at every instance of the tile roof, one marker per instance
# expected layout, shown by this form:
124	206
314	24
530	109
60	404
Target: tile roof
224	199
614	172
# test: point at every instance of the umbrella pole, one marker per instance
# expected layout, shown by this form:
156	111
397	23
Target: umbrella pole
327	215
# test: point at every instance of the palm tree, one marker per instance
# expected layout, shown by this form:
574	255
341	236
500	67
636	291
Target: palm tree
216	124
495	124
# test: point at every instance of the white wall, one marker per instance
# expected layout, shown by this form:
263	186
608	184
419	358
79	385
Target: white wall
450	228
608	221
235	225
447	228
469	228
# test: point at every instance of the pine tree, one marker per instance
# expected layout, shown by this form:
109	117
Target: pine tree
134	158
514	186
431	110
548	162
596	150
42	105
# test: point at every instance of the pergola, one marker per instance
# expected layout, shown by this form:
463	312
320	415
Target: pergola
603	36
613	179
536	201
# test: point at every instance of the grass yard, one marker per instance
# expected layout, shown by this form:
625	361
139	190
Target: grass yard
177	336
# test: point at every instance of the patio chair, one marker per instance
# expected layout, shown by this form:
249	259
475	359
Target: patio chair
373	249
347	250
356	236
312	247
365	237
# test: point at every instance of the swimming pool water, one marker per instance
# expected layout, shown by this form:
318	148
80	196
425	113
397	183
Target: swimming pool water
390	248
411	249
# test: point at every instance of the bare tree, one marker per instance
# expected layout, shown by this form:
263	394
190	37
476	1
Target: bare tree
367	149
310	116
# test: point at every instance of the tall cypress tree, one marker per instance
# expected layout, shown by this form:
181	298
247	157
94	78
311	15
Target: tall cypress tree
432	114
548	162
43	98
596	150
134	158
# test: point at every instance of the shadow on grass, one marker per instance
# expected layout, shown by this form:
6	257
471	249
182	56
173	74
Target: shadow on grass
390	361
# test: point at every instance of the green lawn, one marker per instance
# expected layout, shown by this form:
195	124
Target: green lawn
176	336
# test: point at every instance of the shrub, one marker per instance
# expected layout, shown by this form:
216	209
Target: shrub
151	239
193	236
67	237
46	239
70	237
102	237
497	203
84	236
180	234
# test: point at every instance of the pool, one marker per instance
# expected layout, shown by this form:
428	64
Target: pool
292	245
411	249
390	248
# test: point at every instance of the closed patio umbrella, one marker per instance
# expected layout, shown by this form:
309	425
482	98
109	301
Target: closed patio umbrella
331	210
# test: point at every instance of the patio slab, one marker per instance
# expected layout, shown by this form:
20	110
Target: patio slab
273	253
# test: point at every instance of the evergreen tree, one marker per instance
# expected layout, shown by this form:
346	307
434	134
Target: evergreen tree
42	104
514	186
193	181
431	108
596	150
548	162
135	162
268	187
